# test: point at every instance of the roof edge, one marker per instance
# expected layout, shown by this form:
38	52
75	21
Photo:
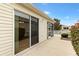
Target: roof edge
30	6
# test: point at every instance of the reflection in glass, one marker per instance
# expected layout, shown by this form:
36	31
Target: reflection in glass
50	29
34	30
21	33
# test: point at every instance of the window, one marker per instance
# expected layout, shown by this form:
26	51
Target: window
50	29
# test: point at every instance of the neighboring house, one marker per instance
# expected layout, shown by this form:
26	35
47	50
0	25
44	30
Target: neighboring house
65	27
77	25
22	26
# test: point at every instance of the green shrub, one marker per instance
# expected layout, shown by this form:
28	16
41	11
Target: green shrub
75	40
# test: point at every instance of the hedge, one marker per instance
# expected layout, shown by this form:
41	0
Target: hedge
75	40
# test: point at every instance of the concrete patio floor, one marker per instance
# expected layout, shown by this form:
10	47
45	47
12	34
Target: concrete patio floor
52	47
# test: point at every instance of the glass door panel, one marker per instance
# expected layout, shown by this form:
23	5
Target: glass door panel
21	33
34	30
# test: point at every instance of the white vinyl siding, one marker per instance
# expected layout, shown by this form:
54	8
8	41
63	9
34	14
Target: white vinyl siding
6	29
42	30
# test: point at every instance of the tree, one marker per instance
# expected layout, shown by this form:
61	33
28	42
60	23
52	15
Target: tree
57	20
57	25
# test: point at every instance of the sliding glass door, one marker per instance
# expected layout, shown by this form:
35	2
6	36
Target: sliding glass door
26	31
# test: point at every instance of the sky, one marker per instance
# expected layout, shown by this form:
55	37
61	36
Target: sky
67	13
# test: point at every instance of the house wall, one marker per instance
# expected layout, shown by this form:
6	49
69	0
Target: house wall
42	30
6	29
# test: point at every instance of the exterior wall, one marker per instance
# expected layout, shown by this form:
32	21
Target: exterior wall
6	29
42	30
